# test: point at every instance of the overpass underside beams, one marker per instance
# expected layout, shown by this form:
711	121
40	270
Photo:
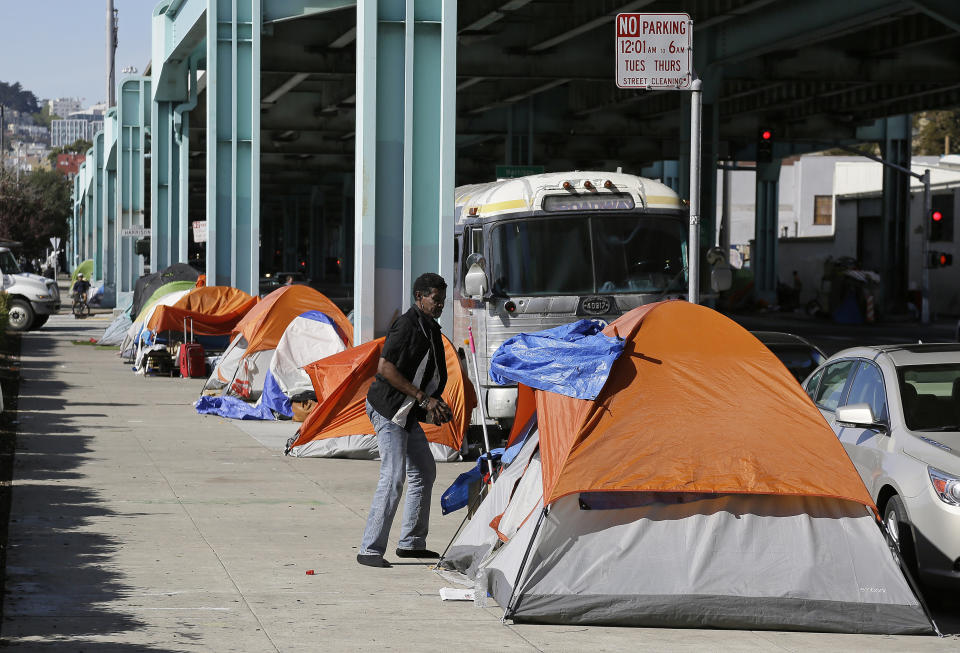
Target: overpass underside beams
406	75
233	143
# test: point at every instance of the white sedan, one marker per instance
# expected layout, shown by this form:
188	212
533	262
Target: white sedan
896	409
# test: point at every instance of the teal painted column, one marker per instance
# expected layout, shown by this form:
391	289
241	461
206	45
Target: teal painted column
406	57
233	143
164	180
180	228
96	226
108	205
132	123
764	252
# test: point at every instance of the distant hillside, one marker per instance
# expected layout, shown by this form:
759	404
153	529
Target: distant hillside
13	96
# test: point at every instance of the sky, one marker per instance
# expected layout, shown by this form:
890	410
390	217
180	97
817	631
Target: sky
57	48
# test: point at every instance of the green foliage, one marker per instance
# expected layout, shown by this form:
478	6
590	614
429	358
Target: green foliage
933	130
15	97
35	209
45	117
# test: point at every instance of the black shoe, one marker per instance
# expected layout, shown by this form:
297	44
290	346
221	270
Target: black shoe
417	553
372	560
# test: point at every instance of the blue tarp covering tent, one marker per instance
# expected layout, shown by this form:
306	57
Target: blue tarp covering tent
572	360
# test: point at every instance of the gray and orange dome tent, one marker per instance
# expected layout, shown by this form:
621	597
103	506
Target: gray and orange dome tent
242	368
701	488
339	428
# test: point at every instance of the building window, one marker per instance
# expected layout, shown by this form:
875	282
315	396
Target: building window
823	209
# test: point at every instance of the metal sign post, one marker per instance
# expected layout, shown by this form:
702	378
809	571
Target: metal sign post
655	51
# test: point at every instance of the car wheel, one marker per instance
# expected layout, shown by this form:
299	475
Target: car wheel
899	531
20	315
39	321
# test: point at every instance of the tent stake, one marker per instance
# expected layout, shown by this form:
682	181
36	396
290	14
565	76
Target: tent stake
511	607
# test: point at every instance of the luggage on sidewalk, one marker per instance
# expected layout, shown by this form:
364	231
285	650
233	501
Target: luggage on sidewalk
191	358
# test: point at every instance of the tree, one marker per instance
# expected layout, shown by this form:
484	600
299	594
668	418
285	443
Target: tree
44	118
79	146
35	209
936	132
15	97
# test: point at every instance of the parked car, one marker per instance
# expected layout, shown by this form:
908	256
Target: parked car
896	410
800	356
273	280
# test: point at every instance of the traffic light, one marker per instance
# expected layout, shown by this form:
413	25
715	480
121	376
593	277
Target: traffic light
939	260
940	220
765	146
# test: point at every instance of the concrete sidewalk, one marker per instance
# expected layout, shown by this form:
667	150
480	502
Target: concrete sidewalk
137	525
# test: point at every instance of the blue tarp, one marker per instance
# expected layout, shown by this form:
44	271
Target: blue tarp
457	495
273	397
233	408
572	360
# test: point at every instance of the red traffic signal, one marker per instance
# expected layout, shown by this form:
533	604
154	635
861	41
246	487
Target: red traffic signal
766	135
940	260
936	215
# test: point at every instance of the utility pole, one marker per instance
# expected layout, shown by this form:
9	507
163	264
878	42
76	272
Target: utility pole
111	53
3	127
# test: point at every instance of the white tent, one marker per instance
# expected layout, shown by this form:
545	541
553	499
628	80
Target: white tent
238	374
132	344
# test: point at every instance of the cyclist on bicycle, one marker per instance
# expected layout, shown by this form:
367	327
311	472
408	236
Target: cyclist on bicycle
79	290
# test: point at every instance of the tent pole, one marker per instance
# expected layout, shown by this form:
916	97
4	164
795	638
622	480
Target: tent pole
470	509
894	546
511	605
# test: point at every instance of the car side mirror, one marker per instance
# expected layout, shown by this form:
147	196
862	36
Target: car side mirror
859	415
475	281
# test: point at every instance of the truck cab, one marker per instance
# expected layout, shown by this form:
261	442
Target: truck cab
32	299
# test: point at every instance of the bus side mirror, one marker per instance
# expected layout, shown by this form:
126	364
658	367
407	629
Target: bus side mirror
721	277
475	281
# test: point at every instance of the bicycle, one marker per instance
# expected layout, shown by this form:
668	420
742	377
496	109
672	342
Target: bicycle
80	306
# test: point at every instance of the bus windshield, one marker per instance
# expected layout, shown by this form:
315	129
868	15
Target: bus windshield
8	264
587	254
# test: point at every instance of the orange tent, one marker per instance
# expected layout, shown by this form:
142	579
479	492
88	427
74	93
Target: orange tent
215	311
341	382
694	404
263	326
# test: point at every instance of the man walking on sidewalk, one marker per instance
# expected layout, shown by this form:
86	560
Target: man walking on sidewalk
411	375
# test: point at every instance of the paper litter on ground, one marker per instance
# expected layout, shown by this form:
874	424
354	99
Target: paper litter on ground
455	594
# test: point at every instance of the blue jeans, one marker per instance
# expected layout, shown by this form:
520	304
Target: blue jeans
402	452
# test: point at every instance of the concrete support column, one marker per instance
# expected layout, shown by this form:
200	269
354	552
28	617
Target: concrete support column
764	251
895	148
164	188
406	57
291	224
233	143
133	121
97	226
317	256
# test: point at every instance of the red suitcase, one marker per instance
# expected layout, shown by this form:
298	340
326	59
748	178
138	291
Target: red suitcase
191	359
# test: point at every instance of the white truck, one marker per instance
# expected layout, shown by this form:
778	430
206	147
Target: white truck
32	299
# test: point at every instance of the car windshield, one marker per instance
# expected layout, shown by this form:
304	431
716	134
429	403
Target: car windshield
8	263
931	396
799	360
587	254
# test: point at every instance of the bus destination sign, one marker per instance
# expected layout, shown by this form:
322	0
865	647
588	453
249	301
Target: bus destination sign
611	202
653	51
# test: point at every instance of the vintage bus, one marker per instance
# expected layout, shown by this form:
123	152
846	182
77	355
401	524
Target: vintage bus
537	252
